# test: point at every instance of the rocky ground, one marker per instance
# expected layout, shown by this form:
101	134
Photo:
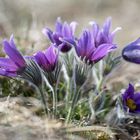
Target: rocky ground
20	120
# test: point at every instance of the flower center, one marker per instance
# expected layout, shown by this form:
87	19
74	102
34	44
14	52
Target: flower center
131	104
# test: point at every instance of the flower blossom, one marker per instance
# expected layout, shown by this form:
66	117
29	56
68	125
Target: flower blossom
47	59
131	100
63	31
14	63
95	43
131	52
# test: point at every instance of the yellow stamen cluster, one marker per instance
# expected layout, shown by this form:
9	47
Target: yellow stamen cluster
131	104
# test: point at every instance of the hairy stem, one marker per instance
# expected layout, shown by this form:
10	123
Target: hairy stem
43	98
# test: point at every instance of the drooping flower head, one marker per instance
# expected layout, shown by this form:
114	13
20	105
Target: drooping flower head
96	43
131	52
47	59
131	100
63	31
14	63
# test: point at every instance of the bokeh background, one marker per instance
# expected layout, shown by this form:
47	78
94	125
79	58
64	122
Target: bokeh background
26	18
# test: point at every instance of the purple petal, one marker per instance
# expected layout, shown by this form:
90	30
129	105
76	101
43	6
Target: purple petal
40	58
129	92
14	54
48	59
131	52
99	39
51	55
66	31
8	64
135	43
47	32
65	47
95	29
101	51
73	27
8	74
137	98
84	41
85	44
68	41
137	111
137	101
90	45
56	39
12	41
81	47
58	25
102	39
106	26
67	44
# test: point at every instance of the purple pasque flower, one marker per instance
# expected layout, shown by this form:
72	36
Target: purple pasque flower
96	43
14	63
131	100
63	31
131	52
47	59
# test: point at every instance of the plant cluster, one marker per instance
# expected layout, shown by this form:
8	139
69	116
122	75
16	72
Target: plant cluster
70	75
